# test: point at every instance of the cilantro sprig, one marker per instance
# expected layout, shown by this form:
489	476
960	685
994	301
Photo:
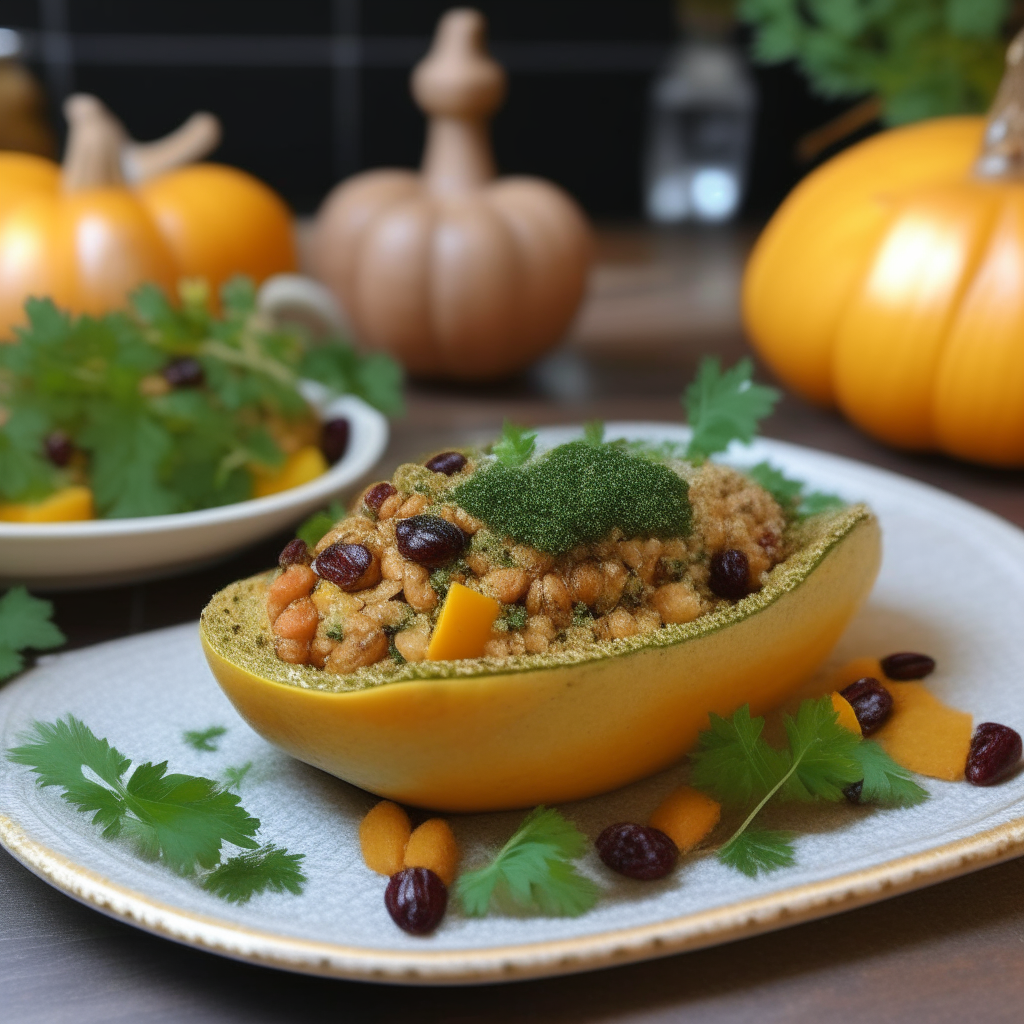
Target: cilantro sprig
736	765
722	407
203	739
182	821
516	445
533	871
793	497
24	623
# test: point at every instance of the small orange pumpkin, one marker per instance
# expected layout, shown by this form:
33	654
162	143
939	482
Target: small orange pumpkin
891	283
452	272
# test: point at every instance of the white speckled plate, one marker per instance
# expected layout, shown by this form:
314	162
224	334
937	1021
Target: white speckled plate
952	584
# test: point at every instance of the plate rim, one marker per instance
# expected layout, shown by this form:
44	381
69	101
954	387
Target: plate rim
525	961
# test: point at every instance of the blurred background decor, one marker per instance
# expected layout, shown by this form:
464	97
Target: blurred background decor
457	274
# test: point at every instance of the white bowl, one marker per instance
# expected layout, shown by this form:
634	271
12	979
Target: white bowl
107	551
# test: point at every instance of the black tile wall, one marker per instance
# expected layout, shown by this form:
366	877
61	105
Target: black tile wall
312	90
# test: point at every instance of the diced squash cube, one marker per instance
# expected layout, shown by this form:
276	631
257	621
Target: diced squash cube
464	625
433	846
847	716
66	505
299	468
686	816
923	734
383	835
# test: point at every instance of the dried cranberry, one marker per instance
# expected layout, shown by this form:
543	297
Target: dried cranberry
871	703
377	495
907	665
334	439
853	791
416	900
447	463
347	566
429	540
637	851
185	372
995	751
58	448
294	552
730	571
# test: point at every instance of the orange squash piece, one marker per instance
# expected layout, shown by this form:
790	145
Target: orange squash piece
300	467
847	716
464	625
66	505
383	835
433	846
923	734
686	816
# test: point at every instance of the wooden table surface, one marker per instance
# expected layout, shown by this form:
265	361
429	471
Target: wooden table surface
953	952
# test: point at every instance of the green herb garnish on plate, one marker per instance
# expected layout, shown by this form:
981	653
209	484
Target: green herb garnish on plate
24	623
182	821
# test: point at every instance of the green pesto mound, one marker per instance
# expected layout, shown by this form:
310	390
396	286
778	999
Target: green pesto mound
236	626
576	494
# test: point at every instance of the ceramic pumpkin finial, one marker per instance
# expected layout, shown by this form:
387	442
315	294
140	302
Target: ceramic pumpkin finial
458	274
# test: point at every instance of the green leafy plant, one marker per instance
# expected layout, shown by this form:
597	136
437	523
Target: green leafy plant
311	530
791	494
181	820
735	765
921	58
147	447
202	739
24	623
533	871
234	775
722	407
516	445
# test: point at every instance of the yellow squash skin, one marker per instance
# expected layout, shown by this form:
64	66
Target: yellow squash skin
480	735
888	283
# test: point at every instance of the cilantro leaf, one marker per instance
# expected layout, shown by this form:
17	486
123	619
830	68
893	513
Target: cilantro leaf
532	871
823	752
246	875
757	851
885	782
234	775
24	622
724	407
202	739
818	501
790	494
516	446
733	763
181	820
312	529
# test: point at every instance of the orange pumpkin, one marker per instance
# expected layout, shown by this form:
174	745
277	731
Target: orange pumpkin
891	283
455	274
25	174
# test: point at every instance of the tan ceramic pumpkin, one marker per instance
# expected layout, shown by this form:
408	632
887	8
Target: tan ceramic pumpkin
457	274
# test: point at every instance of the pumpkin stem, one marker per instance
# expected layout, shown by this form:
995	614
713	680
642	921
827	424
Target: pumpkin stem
92	158
458	86
199	135
1002	153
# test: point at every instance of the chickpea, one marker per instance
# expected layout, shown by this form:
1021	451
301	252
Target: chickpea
295	582
496	648
516	644
541	625
418	591
536	643
413	506
535	562
298	621
617	625
585	583
465	522
357	651
295	652
676	602
478	562
387	613
614	575
647	620
320	650
506	585
548	596
412	643
389	507
392	564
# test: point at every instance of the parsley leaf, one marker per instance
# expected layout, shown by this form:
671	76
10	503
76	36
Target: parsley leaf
250	874
790	494
885	782
532	871
516	446
312	529
234	775
724	407
203	739
181	820
24	622
734	764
